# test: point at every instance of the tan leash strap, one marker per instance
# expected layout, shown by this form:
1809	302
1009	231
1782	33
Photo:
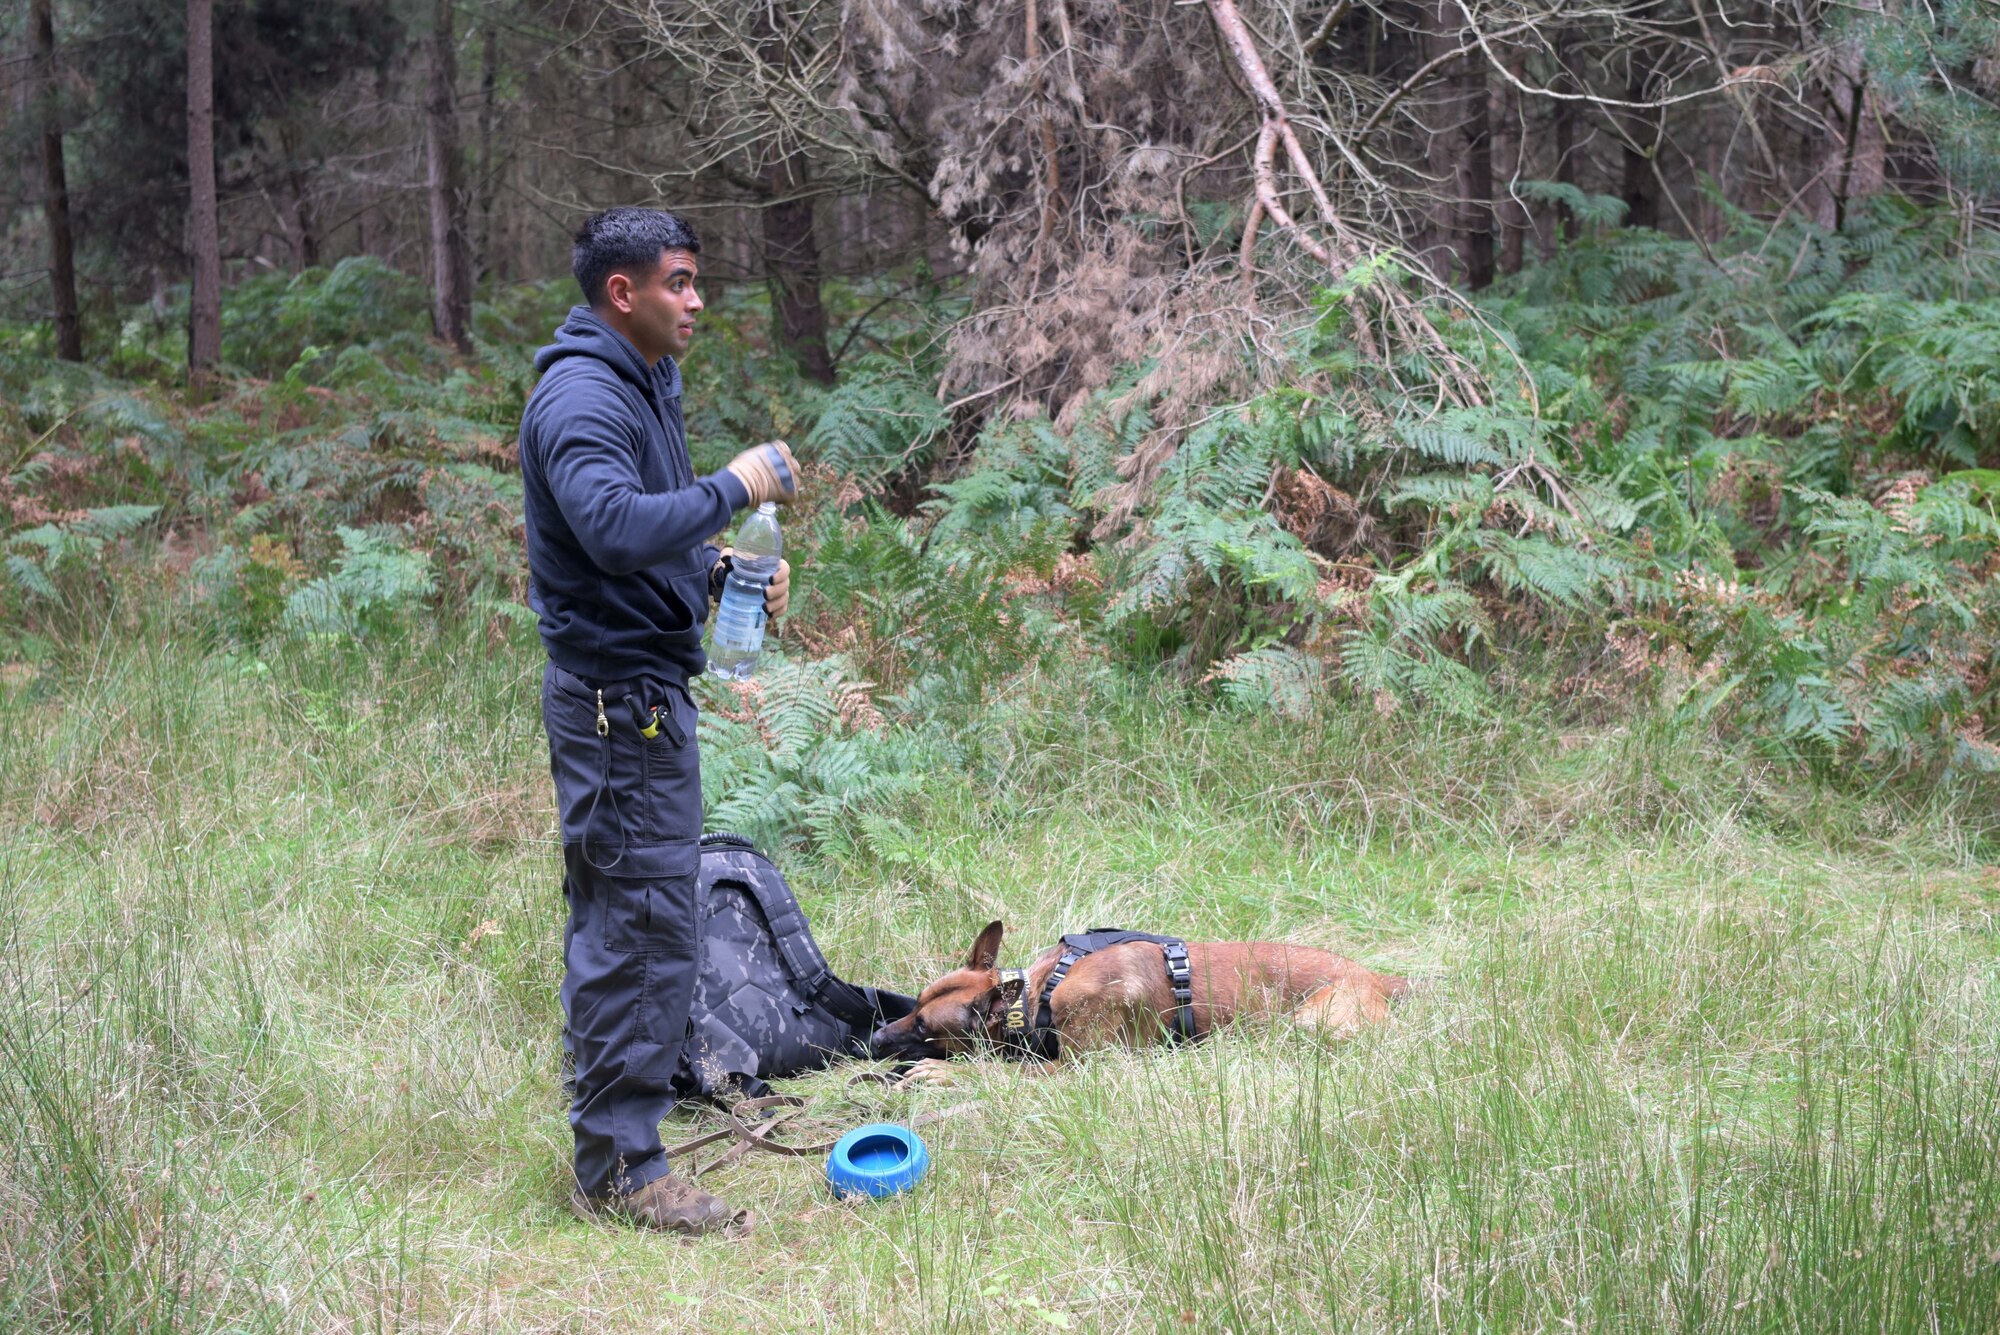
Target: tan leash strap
778	1109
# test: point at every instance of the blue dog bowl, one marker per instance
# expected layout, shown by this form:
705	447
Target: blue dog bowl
879	1159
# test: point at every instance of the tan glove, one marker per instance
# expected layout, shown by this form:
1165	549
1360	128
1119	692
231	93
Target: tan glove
768	472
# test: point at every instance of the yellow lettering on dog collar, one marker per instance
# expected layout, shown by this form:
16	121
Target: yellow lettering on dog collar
1017	1011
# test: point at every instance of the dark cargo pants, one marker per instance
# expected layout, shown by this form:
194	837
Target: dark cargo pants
630	809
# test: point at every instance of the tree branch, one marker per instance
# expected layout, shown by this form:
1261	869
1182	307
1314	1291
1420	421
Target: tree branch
1325	29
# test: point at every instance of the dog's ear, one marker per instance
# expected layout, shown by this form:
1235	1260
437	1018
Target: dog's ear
986	949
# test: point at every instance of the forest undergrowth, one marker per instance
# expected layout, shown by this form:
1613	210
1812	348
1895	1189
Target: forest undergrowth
1643	712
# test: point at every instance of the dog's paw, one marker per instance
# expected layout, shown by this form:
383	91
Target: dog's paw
931	1071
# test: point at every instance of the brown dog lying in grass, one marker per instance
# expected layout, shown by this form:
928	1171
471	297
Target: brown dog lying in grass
1122	995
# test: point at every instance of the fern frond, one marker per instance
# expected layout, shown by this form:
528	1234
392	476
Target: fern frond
880	419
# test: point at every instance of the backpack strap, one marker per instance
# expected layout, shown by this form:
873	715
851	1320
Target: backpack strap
862	1009
790	933
728	839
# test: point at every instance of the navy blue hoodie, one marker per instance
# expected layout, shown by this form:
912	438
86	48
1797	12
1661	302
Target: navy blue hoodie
617	522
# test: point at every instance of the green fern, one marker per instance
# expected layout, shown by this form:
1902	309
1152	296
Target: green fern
1015	486
1597	210
40	556
798	768
375	583
1274	679
880	420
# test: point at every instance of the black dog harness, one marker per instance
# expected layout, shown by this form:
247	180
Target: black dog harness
1023	1038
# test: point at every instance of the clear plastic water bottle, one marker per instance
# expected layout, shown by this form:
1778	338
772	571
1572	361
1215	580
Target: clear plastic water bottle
739	622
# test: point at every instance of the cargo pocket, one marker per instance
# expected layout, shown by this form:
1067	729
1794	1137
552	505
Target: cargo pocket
672	798
650	899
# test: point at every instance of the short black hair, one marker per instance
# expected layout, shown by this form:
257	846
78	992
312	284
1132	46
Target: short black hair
625	238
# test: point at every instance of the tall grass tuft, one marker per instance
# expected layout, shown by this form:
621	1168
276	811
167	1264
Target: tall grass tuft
1709	1118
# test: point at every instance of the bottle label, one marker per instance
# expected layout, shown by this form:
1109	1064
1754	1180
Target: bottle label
739	622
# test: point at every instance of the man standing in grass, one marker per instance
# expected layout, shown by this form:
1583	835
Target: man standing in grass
622	574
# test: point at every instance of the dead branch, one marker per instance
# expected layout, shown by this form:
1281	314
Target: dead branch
1246	255
1052	169
1405	324
1422	76
1326	27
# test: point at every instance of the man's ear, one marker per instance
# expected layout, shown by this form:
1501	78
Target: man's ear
618	292
986	949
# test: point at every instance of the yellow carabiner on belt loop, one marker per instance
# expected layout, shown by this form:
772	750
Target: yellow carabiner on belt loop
603	723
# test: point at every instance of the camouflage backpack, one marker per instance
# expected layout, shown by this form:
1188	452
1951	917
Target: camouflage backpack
765	1003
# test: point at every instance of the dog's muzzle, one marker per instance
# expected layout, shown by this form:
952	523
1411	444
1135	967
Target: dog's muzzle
901	1047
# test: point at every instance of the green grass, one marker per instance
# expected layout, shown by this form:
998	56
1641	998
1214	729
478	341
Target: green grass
1698	1047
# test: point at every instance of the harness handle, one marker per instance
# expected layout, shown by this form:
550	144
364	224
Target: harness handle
1040	1039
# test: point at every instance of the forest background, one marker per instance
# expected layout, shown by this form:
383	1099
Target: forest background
1503	489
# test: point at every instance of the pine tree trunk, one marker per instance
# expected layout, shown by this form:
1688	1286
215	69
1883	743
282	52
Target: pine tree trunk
1637	186
791	246
1444	147
303	228
55	190
204	231
1459	156
1510	215
303	221
1858	165
1476	177
1562	226
791	268
489	176
451	266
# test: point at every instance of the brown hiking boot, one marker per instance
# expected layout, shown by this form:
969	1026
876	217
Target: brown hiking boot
669	1204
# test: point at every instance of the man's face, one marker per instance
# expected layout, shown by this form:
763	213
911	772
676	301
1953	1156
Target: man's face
659	307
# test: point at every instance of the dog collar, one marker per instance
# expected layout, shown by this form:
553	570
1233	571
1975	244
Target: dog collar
1024	1029
1014	1022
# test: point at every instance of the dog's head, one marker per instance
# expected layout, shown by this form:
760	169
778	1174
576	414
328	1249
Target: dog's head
958	1013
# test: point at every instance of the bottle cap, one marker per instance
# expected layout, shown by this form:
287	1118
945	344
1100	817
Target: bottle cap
768	508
